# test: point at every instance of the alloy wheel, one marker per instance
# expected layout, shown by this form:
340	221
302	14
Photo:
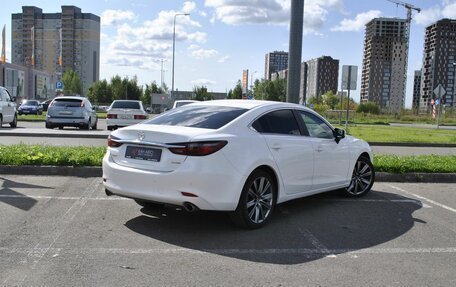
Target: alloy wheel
259	199
362	178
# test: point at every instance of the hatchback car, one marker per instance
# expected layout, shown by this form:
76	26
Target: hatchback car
30	107
124	113
71	112
243	157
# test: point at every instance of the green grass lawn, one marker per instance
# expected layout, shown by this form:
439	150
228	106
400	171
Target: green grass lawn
381	133
23	154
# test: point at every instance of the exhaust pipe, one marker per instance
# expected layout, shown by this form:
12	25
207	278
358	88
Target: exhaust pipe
190	207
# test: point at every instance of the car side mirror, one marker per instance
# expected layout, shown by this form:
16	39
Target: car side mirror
338	134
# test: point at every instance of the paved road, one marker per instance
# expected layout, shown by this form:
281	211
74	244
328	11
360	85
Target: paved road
63	231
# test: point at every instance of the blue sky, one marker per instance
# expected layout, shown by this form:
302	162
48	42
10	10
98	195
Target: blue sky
220	38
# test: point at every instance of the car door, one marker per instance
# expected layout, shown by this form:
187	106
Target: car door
292	151
331	158
9	108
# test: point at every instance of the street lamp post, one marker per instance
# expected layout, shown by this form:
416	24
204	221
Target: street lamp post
174	47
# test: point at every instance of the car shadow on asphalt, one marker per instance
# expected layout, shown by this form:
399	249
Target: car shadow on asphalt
17	199
300	231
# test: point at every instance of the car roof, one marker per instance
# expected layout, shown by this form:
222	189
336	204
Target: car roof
126	101
249	104
70	98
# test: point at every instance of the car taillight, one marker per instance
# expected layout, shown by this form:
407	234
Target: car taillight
140	117
112	142
198	148
111	116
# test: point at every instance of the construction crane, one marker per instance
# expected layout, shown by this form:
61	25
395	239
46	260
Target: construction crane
409	8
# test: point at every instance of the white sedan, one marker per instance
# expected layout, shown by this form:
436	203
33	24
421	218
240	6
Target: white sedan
124	113
235	155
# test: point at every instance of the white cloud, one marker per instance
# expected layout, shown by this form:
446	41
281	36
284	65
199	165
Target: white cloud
427	16
114	17
203	82
140	45
449	11
358	23
203	54
193	47
188	7
223	59
274	12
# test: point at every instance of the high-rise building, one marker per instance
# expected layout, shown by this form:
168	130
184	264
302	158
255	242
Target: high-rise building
383	78
322	76
57	42
416	90
439	62
303	86
274	62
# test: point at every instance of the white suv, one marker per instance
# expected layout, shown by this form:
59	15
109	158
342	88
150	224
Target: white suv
7	108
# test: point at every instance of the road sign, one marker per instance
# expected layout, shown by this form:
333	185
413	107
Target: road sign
349	77
439	91
58	85
437	102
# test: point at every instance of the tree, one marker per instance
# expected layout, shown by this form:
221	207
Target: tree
72	84
100	92
201	94
271	90
330	100
236	93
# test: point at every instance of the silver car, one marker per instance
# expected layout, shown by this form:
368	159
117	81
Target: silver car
72	112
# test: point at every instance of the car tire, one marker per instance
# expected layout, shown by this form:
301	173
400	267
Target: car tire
49	126
257	201
1	121
60	127
362	179
13	124
149	204
95	125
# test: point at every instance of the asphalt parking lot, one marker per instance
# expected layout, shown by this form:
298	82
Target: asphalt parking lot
63	231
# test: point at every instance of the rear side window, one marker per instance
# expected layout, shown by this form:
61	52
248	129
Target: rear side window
67	103
126	105
277	122
207	117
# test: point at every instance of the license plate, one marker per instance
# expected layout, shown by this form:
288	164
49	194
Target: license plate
125	117
66	113
143	153
26	111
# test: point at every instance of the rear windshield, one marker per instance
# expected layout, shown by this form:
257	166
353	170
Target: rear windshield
125	105
31	103
67	103
207	117
180	104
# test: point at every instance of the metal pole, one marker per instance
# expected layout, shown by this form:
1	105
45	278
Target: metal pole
341	99
348	97
295	51
174	47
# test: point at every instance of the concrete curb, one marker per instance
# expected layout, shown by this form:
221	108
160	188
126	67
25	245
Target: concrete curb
96	171
57	135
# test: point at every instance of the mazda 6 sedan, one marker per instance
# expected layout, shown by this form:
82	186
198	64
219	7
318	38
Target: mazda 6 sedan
239	156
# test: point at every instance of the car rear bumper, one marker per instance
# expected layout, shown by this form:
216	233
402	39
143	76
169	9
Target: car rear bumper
214	187
72	122
121	122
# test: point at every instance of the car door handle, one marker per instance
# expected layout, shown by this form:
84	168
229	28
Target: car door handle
276	146
319	149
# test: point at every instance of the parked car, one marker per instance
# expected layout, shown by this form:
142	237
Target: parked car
71	111
30	107
243	157
7	109
124	113
180	103
45	104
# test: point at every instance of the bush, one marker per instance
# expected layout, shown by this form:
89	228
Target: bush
368	108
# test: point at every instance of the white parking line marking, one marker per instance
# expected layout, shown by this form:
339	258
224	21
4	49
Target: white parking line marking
60	197
271	251
315	242
423	198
